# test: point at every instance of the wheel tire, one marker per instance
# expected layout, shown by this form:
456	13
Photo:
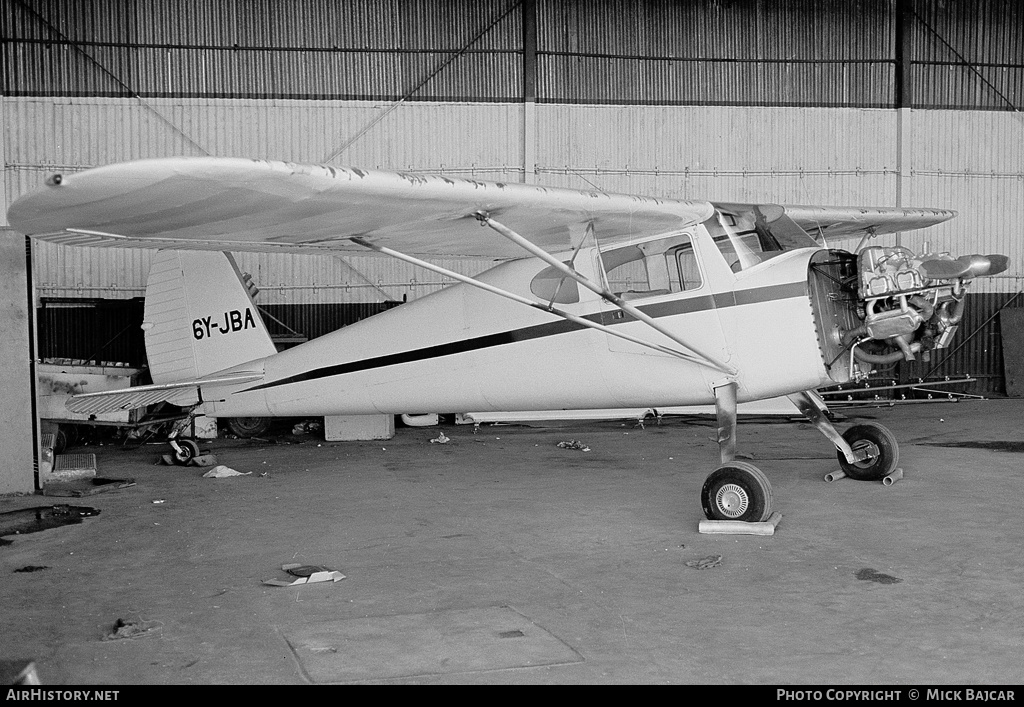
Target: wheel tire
737	491
72	434
885	452
247	426
189	451
60	441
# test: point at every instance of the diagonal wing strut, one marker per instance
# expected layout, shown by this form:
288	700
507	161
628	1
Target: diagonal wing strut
523	300
693	355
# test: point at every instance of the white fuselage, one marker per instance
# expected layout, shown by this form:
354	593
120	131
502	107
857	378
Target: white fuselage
465	349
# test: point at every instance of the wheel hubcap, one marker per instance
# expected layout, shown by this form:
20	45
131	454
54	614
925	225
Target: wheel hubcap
732	500
868	448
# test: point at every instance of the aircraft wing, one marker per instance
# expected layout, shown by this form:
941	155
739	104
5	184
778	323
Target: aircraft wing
849	222
210	203
182	393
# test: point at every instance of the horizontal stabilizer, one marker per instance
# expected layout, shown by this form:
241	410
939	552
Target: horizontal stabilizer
182	393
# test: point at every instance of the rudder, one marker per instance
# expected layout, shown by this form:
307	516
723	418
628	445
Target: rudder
199	316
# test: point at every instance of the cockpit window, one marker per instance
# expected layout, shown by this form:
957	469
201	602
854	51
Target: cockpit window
748	235
652	268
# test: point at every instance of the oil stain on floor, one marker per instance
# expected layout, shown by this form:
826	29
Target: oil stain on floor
32	520
869	575
1017	447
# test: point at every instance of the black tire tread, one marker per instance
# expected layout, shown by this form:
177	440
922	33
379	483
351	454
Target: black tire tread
748	476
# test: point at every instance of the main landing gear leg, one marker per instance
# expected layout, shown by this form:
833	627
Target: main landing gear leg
867	451
183	450
735	490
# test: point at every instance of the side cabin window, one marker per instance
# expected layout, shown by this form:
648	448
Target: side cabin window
652	268
552	285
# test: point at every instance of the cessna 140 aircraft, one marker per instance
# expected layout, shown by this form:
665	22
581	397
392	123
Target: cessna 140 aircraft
599	300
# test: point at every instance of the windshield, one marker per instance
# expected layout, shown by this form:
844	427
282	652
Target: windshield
748	234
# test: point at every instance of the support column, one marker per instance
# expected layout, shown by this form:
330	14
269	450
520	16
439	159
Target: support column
18	446
902	101
529	67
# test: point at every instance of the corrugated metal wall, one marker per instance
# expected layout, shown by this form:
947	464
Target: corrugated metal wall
738	53
977	352
967	54
789	155
746	52
972	162
44	134
282	279
313	49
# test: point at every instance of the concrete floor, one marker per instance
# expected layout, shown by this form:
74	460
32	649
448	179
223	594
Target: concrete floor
501	558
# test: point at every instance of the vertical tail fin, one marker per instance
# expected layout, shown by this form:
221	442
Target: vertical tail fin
199	316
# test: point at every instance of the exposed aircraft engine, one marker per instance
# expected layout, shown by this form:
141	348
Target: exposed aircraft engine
905	305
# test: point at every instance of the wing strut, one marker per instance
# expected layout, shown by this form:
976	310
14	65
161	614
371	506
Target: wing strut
523	300
604	292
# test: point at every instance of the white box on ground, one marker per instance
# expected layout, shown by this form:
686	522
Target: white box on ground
348	428
206	427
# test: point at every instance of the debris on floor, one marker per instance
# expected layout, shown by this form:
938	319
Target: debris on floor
18	672
574	444
307	427
132	629
223	472
441	439
705	563
305	574
32	568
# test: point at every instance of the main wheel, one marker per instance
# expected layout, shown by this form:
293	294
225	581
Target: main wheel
60	440
188	450
737	491
247	426
883	451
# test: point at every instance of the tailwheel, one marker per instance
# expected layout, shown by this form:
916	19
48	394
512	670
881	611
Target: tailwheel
183	451
883	453
737	491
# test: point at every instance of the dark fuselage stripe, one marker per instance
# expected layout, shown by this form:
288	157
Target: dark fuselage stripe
656	310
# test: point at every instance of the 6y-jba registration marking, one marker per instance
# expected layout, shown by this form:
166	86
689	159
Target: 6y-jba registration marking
234	320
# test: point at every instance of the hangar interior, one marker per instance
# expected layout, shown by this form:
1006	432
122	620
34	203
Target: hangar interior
874	103
869	103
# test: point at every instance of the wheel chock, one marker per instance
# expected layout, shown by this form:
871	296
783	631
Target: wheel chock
201	460
889	480
739	527
892	478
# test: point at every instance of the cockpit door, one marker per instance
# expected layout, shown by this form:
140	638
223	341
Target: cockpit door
665	278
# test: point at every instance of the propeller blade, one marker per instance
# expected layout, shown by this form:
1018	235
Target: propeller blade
985	264
976	265
945	269
999	263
